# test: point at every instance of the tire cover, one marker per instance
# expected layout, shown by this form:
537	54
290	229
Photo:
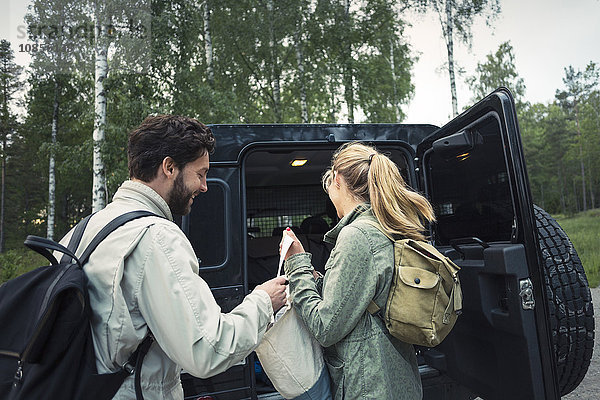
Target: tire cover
569	302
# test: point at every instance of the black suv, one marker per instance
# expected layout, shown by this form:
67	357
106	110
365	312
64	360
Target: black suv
527	327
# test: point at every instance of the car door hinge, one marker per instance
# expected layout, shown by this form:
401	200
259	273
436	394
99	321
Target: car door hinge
526	293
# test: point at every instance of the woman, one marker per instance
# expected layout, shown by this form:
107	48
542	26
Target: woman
364	361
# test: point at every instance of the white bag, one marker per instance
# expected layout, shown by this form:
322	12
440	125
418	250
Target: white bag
291	357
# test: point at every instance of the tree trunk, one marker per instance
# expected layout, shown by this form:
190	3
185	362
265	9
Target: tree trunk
397	110
274	66
4	130
592	197
577	209
2	192
208	46
581	163
101	72
300	59
448	34
51	167
563	202
348	70
332	107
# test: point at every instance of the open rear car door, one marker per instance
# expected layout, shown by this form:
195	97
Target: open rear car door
472	170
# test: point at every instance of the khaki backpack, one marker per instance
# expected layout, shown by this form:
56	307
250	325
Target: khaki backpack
425	298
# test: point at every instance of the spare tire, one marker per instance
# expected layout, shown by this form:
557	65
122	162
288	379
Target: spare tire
570	302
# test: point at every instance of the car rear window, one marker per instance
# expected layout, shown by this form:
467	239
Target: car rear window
470	189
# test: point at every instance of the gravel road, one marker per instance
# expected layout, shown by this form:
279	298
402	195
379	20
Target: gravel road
589	388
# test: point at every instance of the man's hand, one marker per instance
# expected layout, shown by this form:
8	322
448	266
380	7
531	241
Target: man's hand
276	290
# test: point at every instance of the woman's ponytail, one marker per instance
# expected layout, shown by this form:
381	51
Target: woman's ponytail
373	177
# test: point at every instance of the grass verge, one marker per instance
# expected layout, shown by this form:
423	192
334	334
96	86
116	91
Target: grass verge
19	261
584	231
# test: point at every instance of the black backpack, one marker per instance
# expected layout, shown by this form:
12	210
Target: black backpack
46	349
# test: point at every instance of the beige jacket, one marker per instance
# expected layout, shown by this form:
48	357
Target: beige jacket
145	276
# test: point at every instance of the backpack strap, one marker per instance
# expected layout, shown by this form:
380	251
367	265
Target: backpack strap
373	308
105	386
43	245
455	302
75	239
112	225
134	364
139	355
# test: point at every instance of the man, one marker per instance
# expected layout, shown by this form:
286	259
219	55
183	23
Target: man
144	276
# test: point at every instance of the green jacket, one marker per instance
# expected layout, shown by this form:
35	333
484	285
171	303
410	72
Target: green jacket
363	360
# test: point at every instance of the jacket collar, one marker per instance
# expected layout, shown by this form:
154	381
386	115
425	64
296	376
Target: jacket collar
331	236
144	194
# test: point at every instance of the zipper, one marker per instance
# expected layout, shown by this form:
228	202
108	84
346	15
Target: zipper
18	377
43	321
37	331
18	374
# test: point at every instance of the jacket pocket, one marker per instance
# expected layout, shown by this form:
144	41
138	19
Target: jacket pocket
336	372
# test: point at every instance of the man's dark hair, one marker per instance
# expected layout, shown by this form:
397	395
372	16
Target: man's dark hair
181	138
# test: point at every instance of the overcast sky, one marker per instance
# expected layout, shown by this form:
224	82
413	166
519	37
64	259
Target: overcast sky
547	36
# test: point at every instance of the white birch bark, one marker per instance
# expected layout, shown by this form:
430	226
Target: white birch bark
300	59
101	72
397	110
2	195
274	65
348	72
448	35
5	133
208	45
52	169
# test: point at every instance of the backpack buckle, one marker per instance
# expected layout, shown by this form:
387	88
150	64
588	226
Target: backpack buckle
18	374
127	367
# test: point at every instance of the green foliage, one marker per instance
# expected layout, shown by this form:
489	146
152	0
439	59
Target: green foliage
19	261
356	57
9	84
584	231
562	143
498	70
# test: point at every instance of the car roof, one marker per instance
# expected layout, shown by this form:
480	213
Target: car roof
232	139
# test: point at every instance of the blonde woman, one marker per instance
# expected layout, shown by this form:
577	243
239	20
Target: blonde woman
364	361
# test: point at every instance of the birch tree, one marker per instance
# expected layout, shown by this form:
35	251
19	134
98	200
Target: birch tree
54	28
348	70
100	74
456	20
208	47
298	41
382	71
121	28
9	84
275	67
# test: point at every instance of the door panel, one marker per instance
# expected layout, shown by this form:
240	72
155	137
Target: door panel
214	225
215	228
473	172
492	342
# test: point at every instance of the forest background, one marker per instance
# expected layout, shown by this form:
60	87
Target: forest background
100	67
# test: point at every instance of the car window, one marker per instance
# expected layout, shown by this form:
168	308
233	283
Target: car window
470	189
206	220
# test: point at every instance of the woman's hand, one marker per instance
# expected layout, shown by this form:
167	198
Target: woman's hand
296	246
